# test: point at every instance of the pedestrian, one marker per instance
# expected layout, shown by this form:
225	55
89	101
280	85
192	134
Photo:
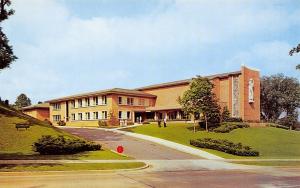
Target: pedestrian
159	122
165	121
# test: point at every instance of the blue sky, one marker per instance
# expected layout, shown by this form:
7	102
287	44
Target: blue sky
72	46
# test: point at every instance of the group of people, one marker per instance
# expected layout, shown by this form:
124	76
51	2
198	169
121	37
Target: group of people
159	122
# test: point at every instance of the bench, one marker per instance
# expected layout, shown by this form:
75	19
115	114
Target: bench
22	126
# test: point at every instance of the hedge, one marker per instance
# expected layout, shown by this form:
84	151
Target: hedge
226	127
49	145
224	146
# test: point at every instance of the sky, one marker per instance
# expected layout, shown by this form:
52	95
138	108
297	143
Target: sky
68	47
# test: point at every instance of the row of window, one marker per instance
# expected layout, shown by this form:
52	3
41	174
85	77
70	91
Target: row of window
130	101
89	116
95	102
93	116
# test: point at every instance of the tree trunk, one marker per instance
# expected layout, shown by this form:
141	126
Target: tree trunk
206	126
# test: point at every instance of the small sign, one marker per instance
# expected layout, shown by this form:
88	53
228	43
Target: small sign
120	149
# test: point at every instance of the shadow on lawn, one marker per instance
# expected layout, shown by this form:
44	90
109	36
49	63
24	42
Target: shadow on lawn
11	167
36	156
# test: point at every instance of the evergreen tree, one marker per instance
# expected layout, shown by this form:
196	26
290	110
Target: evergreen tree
225	116
6	52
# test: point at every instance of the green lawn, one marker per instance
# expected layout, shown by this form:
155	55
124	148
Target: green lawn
18	144
71	167
269	163
270	142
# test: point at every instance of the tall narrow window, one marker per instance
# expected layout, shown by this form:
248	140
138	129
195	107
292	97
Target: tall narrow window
120	114
79	116
73	104
130	101
95	115
73	117
104	114
79	102
95	101
128	115
119	100
87	101
87	116
104	100
56	118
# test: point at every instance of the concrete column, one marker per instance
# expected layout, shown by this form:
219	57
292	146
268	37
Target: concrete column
155	116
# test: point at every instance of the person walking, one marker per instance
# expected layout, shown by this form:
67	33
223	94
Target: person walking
159	123
165	121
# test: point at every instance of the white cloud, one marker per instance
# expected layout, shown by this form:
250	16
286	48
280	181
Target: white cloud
60	53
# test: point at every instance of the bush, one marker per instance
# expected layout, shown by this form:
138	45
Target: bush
225	115
277	126
234	119
288	121
225	146
61	123
49	145
226	127
102	123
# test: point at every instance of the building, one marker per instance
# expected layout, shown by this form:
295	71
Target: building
38	111
239	91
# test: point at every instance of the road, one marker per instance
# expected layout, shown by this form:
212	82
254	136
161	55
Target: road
137	148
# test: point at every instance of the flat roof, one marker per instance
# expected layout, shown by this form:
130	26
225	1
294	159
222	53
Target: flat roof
42	105
129	92
186	81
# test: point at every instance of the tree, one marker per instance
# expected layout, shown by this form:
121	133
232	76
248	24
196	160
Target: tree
295	50
199	100
6	52
279	94
225	116
22	101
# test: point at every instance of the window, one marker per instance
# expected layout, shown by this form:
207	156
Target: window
56	106
120	100
130	101
87	116
79	102
120	114
95	116
87	102
79	116
73	117
95	101
72	104
142	102
128	115
104	114
56	118
104	99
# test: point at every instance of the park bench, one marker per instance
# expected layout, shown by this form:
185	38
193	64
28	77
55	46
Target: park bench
22	126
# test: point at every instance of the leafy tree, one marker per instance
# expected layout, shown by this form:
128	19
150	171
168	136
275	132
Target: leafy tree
22	101
6	53
279	94
200	100
295	50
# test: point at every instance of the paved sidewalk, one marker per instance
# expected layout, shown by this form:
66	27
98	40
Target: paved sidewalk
173	145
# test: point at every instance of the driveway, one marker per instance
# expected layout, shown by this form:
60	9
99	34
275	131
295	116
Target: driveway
133	147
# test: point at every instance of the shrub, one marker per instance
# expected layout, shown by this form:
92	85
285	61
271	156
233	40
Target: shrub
234	119
49	145
102	123
112	120
226	127
225	146
289	121
225	115
277	126
61	123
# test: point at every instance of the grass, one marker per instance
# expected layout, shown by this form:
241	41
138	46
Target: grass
269	163
71	167
18	144
272	143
